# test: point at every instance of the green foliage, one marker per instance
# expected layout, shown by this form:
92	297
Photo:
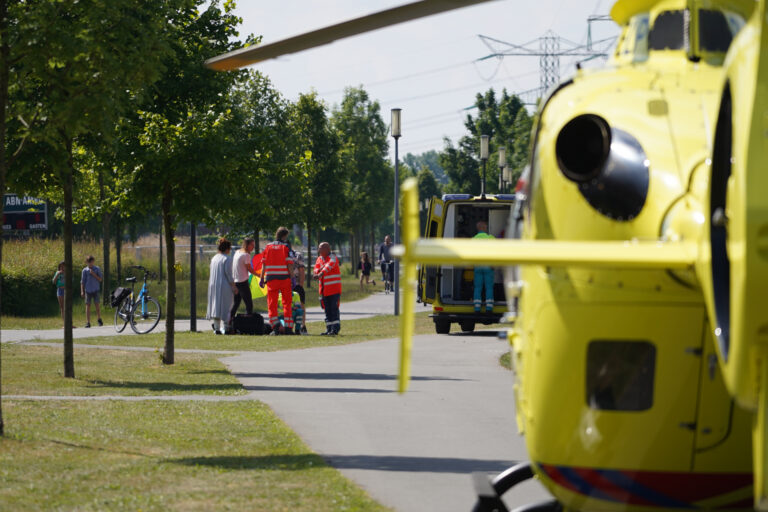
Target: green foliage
317	146
508	124
265	185
429	159
364	156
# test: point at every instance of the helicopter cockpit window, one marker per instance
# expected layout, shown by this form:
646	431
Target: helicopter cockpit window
620	375
668	31
714	33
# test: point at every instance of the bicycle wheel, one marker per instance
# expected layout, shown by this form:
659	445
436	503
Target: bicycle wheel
144	321
122	315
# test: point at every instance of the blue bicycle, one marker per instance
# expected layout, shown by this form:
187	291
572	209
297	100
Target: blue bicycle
143	313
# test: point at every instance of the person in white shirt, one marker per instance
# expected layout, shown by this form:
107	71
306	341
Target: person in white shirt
241	269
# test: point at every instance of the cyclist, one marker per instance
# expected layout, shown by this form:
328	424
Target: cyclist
385	260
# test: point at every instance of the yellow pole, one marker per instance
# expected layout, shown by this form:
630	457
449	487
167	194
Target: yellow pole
410	235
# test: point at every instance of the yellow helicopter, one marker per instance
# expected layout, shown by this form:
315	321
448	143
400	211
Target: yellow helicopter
641	341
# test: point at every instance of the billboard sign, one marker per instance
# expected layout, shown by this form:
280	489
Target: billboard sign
24	213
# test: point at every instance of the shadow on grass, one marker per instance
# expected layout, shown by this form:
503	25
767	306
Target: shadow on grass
162	386
268	462
369	462
335	376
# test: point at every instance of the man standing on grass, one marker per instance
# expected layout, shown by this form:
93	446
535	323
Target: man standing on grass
327	271
90	286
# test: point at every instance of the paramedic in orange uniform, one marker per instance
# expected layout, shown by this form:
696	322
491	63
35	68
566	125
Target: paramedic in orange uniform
276	270
327	271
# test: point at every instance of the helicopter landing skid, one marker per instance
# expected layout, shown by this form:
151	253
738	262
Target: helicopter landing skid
490	490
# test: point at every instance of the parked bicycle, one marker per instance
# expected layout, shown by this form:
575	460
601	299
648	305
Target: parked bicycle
142	312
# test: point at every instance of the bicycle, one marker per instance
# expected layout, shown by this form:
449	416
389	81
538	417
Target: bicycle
142	313
388	276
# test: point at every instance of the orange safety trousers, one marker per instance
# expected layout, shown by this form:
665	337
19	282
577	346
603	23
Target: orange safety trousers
275	288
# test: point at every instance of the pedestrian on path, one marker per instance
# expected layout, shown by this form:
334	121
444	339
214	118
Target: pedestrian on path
327	271
221	287
276	271
241	268
90	288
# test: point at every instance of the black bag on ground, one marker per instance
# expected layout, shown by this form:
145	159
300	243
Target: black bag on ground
118	295
248	324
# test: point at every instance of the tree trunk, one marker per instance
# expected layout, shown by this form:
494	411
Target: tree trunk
4	65
372	254
69	358
193	278
256	239
308	260
105	218
161	247
170	286
118	248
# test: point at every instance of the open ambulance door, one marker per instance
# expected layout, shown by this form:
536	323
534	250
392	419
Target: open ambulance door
429	276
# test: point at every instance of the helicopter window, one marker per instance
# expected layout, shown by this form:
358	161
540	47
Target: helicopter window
715	32
620	375
667	32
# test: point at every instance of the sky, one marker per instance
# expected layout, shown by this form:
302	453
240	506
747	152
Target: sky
429	68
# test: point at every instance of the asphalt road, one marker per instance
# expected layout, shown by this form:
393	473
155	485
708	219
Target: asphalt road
411	452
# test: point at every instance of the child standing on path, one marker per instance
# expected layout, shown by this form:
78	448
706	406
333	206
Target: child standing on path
58	280
90	286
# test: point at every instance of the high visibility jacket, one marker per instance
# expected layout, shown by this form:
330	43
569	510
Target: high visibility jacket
275	261
330	275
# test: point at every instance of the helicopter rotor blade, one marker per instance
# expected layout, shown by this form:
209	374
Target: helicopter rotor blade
245	56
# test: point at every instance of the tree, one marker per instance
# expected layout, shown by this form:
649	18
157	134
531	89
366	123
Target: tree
184	132
71	82
429	159
428	185
266	190
364	148
317	147
497	119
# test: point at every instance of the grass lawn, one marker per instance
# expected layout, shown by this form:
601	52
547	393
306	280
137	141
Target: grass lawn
352	331
506	360
350	285
30	370
162	456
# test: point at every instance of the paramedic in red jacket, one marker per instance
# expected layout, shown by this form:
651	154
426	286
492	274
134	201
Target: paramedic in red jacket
276	270
327	271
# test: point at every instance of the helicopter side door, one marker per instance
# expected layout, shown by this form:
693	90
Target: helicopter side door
429	275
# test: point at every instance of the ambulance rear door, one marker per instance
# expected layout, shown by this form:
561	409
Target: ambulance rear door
428	275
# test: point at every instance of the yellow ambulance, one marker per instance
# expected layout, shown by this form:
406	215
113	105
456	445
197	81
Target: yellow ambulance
450	288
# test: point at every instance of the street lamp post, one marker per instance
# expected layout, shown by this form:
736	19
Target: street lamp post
507	175
483	157
395	128
502	163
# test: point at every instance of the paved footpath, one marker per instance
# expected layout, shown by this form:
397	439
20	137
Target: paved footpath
413	452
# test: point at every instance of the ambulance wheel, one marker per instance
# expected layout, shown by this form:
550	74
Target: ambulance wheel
467	326
442	326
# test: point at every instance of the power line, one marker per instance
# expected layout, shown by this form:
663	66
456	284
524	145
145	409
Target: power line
457	89
404	77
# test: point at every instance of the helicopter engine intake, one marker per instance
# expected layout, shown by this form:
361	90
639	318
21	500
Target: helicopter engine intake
608	165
